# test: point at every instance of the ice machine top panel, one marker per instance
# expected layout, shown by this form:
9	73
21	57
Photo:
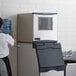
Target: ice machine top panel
44	13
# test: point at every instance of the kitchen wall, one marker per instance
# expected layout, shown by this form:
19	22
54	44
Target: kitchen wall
66	19
0	8
66	16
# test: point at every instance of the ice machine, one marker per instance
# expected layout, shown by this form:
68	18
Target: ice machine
34	27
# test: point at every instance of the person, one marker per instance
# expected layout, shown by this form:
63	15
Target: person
5	40
3	69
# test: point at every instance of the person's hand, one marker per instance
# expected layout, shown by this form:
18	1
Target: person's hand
11	33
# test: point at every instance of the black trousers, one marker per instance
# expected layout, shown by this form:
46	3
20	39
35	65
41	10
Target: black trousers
7	63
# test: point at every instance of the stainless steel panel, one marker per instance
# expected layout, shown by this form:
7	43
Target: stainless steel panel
25	27
27	61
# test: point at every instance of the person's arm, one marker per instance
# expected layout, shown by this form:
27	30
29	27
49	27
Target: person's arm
11	33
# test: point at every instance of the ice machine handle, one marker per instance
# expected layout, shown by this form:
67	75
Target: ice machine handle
37	38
